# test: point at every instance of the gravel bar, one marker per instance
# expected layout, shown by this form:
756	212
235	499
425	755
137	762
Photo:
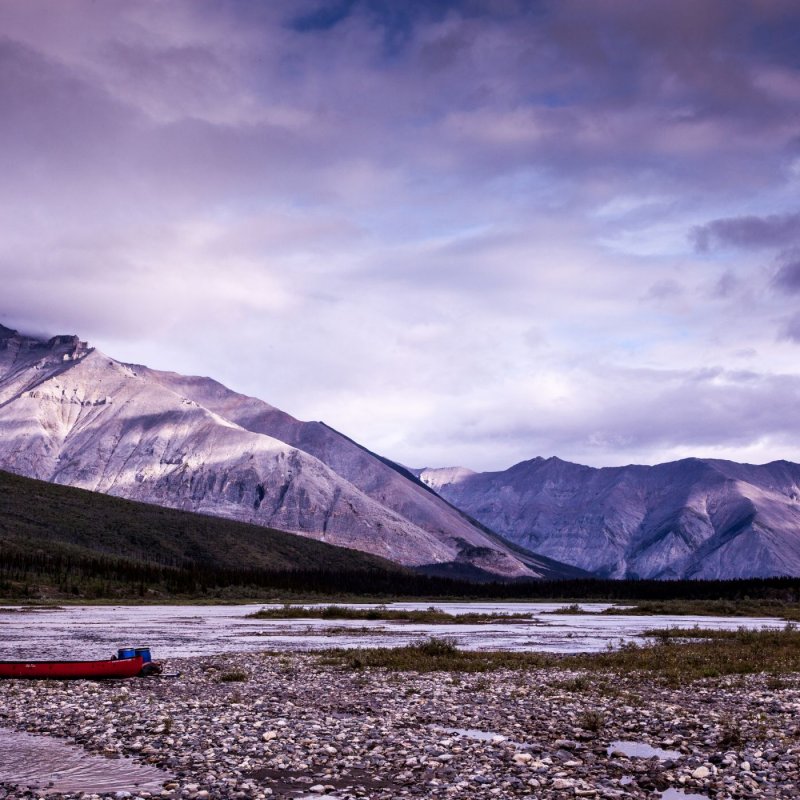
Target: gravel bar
285	726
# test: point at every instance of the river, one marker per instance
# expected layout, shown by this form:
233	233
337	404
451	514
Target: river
77	632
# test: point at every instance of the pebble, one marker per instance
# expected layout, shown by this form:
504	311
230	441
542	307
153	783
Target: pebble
299	727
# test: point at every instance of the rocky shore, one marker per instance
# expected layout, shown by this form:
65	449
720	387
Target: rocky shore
278	726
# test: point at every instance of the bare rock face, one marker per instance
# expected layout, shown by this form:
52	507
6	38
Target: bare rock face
696	518
71	415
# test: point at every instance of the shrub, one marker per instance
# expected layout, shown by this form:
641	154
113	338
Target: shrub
437	647
730	736
233	675
592	720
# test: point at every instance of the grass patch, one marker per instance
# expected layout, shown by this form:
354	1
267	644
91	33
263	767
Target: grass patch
580	683
592	720
709	654
431	655
730	735
431	615
573	608
233	676
38	518
711	608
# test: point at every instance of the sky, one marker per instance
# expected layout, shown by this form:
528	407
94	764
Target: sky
467	233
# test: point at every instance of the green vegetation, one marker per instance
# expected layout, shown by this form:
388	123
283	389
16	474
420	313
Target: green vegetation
709	654
738	607
36	516
61	542
733	606
432	655
573	608
430	616
592	720
233	675
31	579
730	735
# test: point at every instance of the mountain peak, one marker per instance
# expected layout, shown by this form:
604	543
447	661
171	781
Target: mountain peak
68	347
70	415
60	343
693	518
438	477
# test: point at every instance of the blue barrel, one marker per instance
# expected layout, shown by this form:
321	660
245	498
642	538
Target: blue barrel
144	652
126	652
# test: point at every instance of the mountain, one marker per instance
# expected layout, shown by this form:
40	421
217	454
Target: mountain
71	415
695	518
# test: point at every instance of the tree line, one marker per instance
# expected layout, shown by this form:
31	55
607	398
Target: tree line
101	576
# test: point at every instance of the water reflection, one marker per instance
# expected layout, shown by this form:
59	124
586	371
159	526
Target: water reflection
642	750
477	735
52	765
679	794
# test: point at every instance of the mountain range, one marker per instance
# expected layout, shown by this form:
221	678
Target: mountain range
695	518
70	414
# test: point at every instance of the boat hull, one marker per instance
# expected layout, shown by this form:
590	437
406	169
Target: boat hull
118	668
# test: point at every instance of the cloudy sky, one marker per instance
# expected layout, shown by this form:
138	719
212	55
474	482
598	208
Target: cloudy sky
459	232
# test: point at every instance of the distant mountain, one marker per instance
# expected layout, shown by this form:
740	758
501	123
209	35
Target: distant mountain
71	415
696	518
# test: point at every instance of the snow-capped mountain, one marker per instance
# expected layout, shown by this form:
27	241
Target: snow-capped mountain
696	518
70	414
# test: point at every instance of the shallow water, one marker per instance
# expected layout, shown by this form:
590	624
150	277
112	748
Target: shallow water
679	794
338	797
642	750
51	764
176	631
478	735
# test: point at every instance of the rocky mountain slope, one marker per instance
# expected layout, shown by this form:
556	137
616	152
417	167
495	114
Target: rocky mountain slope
70	414
696	518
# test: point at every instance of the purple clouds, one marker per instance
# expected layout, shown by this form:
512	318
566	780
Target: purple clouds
775	230
787	278
465	232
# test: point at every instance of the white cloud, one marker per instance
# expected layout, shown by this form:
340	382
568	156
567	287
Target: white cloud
460	241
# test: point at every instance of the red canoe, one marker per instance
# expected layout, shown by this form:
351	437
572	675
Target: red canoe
114	668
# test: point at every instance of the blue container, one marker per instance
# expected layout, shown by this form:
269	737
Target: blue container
144	652
126	652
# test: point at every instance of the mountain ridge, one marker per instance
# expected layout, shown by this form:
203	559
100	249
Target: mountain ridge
692	518
71	414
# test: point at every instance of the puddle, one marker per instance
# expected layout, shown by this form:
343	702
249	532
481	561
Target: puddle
473	733
28	759
337	797
481	736
668	794
642	750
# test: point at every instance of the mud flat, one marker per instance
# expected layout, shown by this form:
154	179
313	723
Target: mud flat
253	725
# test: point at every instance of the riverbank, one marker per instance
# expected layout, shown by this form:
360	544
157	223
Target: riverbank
259	726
